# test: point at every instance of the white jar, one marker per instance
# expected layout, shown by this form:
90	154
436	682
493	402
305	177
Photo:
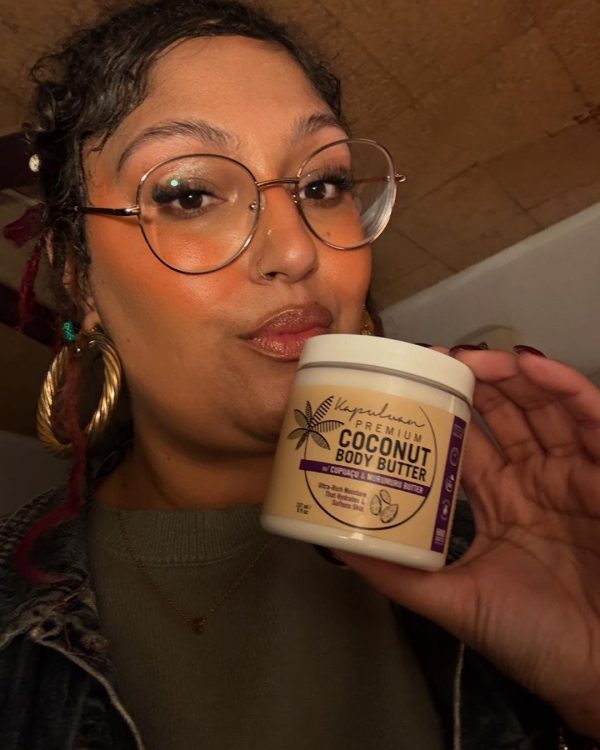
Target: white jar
370	450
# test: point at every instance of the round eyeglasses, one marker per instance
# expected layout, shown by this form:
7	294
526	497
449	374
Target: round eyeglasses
199	212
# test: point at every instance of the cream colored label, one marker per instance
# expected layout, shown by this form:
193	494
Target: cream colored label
359	459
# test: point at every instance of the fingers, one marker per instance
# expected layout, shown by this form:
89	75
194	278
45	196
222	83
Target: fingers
447	596
579	397
526	417
421	591
507	422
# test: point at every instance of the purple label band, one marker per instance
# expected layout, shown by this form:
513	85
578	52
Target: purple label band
383	480
457	436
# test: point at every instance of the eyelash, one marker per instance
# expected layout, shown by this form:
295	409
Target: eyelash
339	176
165	197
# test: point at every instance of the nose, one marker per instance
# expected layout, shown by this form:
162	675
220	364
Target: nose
283	247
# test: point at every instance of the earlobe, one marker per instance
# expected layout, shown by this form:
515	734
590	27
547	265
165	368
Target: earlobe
87	304
69	278
90	321
81	294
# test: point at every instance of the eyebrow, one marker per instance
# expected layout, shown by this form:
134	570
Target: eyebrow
307	126
199	129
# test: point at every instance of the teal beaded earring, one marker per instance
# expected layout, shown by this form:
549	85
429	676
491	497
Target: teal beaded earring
68	332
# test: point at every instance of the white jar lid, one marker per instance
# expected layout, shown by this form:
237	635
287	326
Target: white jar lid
392	355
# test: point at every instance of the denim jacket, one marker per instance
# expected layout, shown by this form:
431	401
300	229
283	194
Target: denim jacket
57	689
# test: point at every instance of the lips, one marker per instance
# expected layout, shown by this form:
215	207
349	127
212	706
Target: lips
283	334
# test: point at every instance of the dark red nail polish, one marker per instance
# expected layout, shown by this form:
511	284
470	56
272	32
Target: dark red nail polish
467	348
522	349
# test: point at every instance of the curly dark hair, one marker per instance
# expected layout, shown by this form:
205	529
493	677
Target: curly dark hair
99	75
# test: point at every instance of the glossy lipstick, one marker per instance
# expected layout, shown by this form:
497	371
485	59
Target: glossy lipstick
283	334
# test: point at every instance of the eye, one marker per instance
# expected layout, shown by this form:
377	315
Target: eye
184	198
317	191
327	188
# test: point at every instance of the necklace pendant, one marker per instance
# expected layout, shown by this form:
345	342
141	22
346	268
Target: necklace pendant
197	624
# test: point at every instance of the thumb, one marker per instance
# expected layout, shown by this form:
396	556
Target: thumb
439	596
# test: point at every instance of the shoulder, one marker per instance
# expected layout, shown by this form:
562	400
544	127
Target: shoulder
14	526
58	555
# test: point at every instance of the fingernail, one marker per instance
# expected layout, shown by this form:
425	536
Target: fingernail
421	343
330	556
467	348
522	349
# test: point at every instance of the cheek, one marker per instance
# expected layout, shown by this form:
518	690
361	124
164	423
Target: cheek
124	276
347	274
132	288
166	326
354	266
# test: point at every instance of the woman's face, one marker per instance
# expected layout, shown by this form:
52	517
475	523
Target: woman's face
199	370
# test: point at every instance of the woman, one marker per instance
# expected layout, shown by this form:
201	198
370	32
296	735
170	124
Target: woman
159	615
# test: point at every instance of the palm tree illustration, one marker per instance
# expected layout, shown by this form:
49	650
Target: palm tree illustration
313	424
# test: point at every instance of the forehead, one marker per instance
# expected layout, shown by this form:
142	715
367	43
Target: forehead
255	90
230	65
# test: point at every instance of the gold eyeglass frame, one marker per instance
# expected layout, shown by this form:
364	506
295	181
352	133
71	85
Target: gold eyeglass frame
136	210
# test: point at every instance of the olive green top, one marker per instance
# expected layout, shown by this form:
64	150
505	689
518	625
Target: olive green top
302	656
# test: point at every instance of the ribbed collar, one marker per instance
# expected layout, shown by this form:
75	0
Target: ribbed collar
171	537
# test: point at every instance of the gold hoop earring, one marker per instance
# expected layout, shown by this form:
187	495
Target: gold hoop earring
110	391
367	327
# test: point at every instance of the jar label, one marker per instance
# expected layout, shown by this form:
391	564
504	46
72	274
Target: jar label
359	459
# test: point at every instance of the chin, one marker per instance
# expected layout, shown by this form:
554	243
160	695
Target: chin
273	397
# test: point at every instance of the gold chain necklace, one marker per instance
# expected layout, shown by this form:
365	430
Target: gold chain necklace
195	623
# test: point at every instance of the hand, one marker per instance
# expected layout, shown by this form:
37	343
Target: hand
527	592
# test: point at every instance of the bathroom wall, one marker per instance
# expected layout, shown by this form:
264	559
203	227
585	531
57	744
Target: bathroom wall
547	287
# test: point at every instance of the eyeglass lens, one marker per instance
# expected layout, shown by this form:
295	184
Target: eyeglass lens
198	212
